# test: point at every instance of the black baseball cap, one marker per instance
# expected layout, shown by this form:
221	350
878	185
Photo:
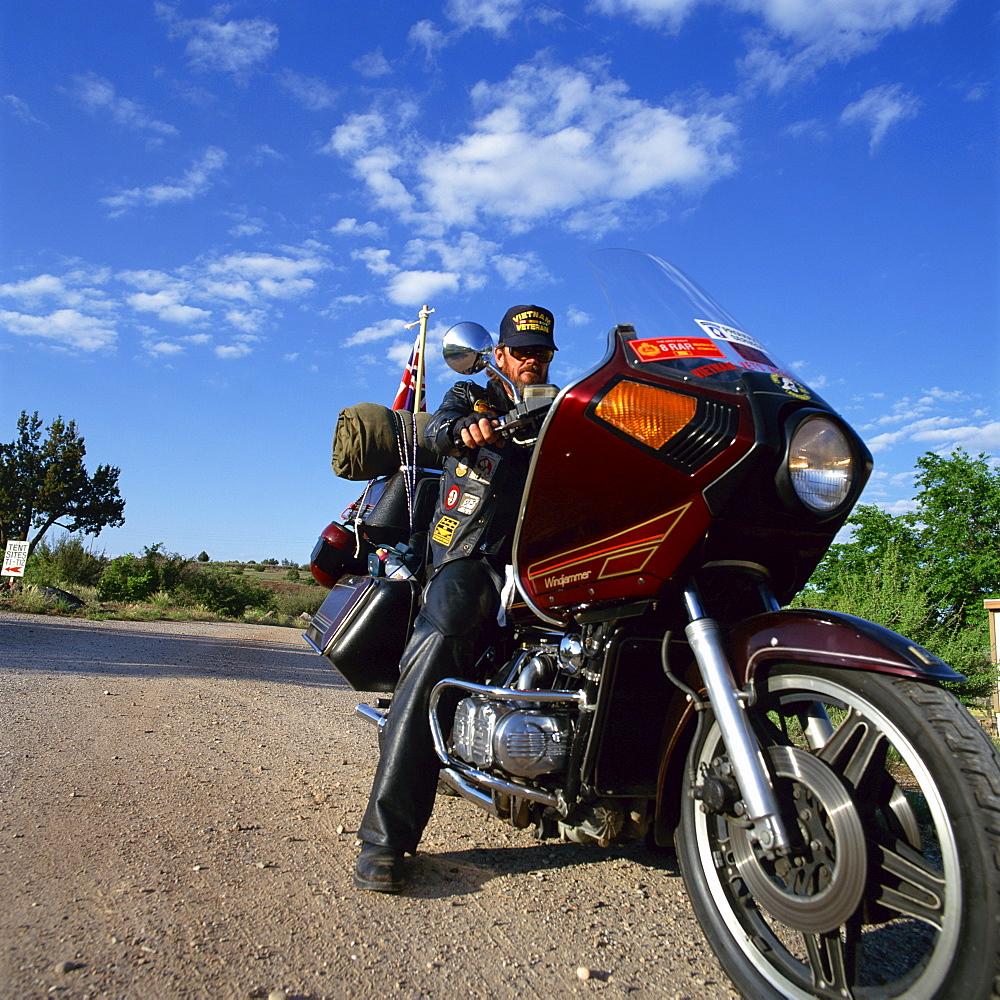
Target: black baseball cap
527	326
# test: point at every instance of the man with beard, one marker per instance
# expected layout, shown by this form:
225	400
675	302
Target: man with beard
470	537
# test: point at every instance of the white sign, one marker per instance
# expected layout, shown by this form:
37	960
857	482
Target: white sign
14	559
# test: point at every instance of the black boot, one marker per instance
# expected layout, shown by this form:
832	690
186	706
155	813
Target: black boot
379	869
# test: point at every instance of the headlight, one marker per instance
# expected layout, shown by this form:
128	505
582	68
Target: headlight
820	464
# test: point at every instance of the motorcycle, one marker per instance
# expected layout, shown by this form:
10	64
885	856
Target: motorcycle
834	809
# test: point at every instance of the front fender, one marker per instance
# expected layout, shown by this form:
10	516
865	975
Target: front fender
829	638
805	635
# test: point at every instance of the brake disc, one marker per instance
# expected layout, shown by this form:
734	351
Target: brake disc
819	885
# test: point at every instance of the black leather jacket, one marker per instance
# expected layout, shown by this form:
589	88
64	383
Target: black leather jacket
481	489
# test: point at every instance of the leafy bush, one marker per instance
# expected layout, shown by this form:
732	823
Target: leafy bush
134	578
203	557
65	563
892	592
299	602
216	589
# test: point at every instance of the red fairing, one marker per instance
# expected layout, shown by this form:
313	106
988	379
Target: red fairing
606	520
333	551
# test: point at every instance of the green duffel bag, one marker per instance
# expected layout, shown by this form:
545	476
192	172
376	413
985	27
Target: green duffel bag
371	440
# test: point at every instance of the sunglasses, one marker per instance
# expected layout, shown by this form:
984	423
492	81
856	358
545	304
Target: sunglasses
542	354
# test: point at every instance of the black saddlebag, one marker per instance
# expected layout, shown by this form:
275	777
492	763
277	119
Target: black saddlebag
362	627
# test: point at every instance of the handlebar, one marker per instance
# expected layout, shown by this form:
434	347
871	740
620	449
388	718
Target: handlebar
527	415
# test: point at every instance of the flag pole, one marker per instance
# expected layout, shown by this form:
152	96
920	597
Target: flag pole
422	344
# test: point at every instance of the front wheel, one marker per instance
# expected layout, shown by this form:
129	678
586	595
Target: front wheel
891	794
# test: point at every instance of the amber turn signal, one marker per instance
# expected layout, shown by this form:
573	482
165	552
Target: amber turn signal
646	412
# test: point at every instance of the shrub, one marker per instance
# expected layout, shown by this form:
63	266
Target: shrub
215	589
133	578
299	602
203	557
897	595
67	562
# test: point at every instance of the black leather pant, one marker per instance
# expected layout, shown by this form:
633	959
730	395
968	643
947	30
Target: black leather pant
455	623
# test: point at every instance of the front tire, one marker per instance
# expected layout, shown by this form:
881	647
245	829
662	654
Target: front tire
891	794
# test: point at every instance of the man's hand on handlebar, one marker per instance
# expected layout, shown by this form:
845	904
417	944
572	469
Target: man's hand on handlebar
471	432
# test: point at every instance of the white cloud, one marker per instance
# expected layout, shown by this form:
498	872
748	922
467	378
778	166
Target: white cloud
21	109
376	260
426	35
548	142
879	109
167	305
162	348
668	14
495	16
247	320
233	47
814	32
554	139
377	331
196	181
80	289
372	64
230	352
98	94
248	228
67	327
974	438
793	38
843	27
271	275
351	227
311	92
238	291
412	288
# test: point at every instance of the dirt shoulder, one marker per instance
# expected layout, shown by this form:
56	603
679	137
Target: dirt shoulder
178	806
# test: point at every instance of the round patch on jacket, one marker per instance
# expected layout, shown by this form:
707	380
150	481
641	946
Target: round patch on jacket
481	406
452	498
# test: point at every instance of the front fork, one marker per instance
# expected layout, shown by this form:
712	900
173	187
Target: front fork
729	705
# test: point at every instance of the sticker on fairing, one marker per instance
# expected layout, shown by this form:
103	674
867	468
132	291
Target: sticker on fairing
789	385
715	368
469	503
444	530
719	331
755	356
667	348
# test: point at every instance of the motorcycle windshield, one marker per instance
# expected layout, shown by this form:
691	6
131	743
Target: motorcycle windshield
679	328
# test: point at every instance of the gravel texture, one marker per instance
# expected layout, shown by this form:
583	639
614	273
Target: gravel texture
178	807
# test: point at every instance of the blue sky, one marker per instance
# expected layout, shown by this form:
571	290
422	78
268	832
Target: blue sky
216	220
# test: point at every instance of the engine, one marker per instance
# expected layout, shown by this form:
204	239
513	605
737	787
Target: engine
525	742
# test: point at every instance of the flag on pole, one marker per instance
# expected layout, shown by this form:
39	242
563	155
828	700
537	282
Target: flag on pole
406	394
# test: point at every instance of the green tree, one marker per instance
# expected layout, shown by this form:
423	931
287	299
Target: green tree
952	537
43	483
203	557
926	573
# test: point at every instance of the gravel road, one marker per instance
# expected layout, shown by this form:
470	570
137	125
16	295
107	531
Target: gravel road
178	807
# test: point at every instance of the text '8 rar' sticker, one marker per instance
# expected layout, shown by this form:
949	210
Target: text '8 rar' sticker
444	530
